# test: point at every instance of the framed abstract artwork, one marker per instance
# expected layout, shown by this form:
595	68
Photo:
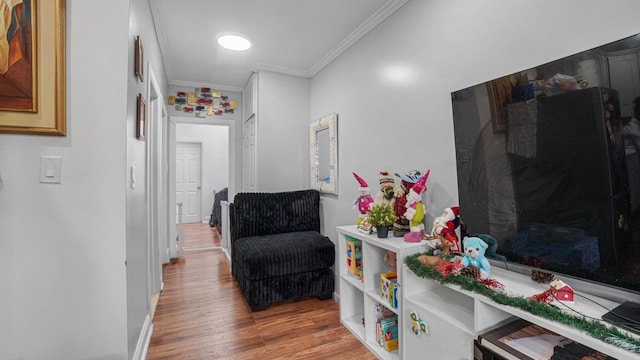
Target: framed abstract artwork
32	67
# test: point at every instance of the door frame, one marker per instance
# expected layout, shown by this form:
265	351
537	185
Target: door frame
157	237
171	145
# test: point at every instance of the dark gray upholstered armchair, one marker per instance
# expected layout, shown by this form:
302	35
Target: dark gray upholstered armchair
277	251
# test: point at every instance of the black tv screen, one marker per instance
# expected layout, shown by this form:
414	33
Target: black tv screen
546	167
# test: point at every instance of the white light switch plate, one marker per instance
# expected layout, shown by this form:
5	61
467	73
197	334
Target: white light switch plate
50	169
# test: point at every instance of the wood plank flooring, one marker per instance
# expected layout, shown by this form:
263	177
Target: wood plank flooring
201	314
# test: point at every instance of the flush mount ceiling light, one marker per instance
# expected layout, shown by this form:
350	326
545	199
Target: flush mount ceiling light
234	41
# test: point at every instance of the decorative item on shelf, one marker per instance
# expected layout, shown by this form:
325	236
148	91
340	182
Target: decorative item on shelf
364	199
389	288
390	258
382	217
417	325
541	276
446	224
439	254
415	210
408	179
561	291
385	195
474	249
354	256
471	271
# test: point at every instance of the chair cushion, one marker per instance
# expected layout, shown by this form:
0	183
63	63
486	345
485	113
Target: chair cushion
268	256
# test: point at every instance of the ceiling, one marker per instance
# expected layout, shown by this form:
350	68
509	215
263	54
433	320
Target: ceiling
295	37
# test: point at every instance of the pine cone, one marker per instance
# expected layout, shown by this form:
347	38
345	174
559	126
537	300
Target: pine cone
541	276
471	271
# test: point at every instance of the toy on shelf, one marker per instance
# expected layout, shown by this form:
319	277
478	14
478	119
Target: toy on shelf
389	288
474	249
441	253
354	257
408	179
561	291
445	226
415	210
385	195
364	200
390	259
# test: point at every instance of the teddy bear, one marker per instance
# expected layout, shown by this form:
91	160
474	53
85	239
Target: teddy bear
474	249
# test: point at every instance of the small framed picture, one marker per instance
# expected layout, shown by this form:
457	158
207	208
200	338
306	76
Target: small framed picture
139	59
141	117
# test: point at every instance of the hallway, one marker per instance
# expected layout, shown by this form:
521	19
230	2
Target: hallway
201	314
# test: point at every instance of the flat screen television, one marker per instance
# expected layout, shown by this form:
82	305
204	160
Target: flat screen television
545	166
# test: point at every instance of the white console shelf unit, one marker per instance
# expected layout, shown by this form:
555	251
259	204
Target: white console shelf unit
456	317
358	298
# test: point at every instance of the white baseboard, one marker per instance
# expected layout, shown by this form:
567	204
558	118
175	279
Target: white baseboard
144	339
336	297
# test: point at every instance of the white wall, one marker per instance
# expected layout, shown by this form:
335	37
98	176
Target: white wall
75	253
63	245
283	132
391	90
137	249
215	158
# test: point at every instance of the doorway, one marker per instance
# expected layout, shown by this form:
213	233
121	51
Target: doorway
202	166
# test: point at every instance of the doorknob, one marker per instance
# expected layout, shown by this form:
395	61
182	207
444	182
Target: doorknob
199	187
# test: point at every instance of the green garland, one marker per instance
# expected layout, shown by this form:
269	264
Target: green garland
594	328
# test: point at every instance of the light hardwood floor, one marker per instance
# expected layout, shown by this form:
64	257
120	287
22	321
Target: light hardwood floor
201	314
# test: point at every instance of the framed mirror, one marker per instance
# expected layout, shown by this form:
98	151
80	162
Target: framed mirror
323	151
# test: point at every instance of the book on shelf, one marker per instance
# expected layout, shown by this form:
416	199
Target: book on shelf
521	339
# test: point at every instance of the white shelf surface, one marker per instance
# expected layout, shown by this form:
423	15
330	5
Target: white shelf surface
459	309
381	352
520	285
354	324
392	243
377	298
353	281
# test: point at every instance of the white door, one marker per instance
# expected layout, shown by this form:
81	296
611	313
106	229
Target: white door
188	180
249	155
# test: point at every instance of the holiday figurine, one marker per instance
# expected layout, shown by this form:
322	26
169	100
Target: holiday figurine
364	200
385	195
415	210
401	226
446	225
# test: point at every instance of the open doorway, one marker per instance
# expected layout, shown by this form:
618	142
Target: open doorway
202	167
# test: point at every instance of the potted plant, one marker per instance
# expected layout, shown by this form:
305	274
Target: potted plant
382	217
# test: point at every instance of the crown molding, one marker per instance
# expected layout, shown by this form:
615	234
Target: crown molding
283	70
384	12
198	85
156	13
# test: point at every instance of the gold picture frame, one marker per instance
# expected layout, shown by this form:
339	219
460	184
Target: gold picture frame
47	117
